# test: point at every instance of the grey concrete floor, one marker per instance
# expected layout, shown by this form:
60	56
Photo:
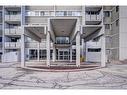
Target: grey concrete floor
111	77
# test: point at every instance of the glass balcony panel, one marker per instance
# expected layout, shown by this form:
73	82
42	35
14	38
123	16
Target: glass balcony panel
62	40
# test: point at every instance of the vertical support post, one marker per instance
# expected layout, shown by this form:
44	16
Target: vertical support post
3	37
103	52
78	49
71	54
48	48
54	53
82	47
38	52
22	50
23	36
103	49
83	15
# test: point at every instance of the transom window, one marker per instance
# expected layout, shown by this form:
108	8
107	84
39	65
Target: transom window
107	14
94	49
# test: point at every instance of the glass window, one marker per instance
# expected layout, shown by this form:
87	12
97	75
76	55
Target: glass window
107	14
33	54
62	40
27	13
117	22
51	13
58	13
69	13
30	13
65	13
94	50
46	13
37	13
76	13
0	39
13	12
42	54
107	26
117	8
42	13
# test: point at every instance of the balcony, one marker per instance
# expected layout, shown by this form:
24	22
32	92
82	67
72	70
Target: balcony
13	31
68	13
62	42
12	17
12	45
35	45
31	44
93	19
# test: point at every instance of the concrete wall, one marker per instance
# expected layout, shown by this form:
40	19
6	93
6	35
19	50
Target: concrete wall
11	57
76	8
123	33
112	35
93	56
39	7
36	19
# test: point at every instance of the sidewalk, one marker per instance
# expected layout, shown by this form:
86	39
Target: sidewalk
8	64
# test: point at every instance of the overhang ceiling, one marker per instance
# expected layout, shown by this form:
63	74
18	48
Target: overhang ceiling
38	31
14	22
90	30
93	8
93	22
63	27
13	8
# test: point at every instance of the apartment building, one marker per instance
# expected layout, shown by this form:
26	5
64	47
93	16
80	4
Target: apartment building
48	34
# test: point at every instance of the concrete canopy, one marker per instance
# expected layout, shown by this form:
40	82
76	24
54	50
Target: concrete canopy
12	8
36	33
63	27
93	8
90	32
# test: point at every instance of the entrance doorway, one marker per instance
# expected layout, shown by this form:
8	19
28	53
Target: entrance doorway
63	54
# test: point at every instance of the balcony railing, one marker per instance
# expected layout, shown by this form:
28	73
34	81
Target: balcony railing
35	45
31	44
93	17
62	42
12	44
13	31
13	17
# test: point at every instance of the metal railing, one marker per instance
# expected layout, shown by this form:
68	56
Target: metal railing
13	31
95	17
12	17
12	44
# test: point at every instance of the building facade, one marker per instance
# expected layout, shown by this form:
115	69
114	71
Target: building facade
49	34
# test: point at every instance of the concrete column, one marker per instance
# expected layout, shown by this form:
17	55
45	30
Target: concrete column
48	48
103	52
22	50
3	37
78	49
83	48
38	58
71	54
83	15
54	53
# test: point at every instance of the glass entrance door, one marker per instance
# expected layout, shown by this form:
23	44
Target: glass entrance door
33	54
63	55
